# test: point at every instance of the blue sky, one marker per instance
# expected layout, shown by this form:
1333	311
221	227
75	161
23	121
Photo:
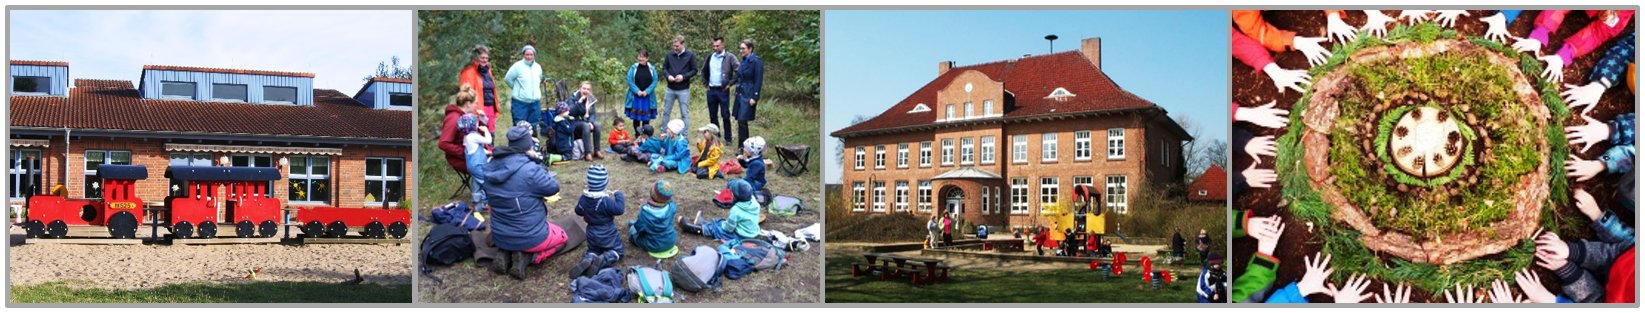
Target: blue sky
339	47
873	59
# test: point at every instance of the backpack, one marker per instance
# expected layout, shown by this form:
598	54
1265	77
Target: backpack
650	285
754	253
731	167
785	206
698	270
446	244
456	213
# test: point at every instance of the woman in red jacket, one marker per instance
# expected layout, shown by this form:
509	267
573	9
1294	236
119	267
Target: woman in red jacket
451	141
477	75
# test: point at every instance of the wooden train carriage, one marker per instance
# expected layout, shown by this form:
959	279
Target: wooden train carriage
333	222
246	204
50	215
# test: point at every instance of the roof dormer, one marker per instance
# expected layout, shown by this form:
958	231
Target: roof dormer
226	85
39	78
971	95
385	93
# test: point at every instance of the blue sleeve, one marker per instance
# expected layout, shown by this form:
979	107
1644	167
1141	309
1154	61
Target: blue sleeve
1510	14
759	77
615	210
542	185
1562	299
654	81
756	173
1289	294
632	88
1610	229
1614	64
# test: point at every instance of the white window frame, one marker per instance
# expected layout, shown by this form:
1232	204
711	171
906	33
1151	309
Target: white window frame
251	161
948	152
923	199
879	196
1019	195
309	177
879	157
925	154
858	162
1089	181
1115	194
985	201
902	196
970	109
968	149
385	179
18	174
1048	148
859	200
1050	190
91	174
987	149
902	155
988	107
1116	143
1019	149
1082	145
950	114
999	200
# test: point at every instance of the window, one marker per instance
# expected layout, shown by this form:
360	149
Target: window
879	157
998	200
925	154
1019	149
228	92
1060	92
879	196
858	161
985	195
902	155
399	99
1164	153
179	188
988	150
919	108
310	179
94	158
24	174
1116	143
385	180
277	94
1048	147
925	197
947	152
988	107
970	109
247	160
1115	194
1048	190
857	203
1082	145
902	196
950	112
1019	195
967	147
1084	180
30	84
177	90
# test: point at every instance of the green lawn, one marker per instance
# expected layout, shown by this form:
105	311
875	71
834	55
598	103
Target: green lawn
202	292
992	286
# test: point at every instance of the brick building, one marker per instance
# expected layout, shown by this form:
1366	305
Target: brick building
332	149
996	142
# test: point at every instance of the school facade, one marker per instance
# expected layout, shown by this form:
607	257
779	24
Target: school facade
998	142
332	149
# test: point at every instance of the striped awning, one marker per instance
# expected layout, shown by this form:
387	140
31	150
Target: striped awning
252	149
31	143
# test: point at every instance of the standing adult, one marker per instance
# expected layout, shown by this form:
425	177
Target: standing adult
1179	246
947	229
642	82
584	114
525	88
750	75
719	73
1204	246
678	67
477	75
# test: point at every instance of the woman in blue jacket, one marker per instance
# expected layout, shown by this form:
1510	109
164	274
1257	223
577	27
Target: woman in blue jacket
642	81
750	75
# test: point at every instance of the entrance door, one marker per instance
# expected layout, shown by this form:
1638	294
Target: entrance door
954	201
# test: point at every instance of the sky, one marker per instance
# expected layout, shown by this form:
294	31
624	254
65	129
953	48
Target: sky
338	47
874	59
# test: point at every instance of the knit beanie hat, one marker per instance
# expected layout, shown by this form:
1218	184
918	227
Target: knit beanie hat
740	190
596	178
466	124
676	126
519	138
662	193
755	145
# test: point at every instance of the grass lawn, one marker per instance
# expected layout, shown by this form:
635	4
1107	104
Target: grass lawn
780	124
251	292
995	286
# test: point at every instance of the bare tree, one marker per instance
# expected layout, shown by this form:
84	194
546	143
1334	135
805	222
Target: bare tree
1194	150
1216	152
839	149
392	69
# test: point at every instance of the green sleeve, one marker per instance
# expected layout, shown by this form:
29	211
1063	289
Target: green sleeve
1240	216
1258	275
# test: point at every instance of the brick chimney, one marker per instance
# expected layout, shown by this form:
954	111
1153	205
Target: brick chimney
1092	48
944	66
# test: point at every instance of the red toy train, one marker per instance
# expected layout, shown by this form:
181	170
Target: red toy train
245	204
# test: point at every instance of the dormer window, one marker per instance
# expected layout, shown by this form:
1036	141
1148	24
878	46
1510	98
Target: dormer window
228	92
920	108
177	90
399	99
279	94
31	84
1060	93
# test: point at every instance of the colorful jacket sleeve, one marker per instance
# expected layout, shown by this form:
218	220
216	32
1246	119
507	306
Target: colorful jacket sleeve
1610	228
1289	294
1547	22
1249	51
1240	217
680	153
633	89
1510	15
1251	23
711	156
1577	280
1609	69
1620	158
1593	35
1258	276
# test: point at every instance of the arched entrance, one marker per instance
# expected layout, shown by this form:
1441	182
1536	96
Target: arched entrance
953	199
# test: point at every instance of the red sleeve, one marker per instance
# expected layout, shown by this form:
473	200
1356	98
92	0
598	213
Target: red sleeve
1251	23
1338	13
1593	35
1249	51
450	142
1233	111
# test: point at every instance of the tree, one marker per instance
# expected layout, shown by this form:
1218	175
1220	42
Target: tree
1216	153
839	149
392	69
1193	151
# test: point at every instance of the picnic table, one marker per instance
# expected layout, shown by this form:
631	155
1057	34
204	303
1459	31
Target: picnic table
921	270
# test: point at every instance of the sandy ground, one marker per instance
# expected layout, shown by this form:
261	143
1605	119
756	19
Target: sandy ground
150	266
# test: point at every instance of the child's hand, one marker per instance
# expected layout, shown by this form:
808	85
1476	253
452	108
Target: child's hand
1500	293
1313	281
1268	236
1283	78
1531	283
1402	294
1340	31
1463	295
1582	170
1353	291
1551	252
1585	203
1586	135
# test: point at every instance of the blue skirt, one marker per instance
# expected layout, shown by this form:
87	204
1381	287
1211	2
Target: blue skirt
641	108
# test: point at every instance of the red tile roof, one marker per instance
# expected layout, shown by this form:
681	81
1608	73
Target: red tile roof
390	79
1029	80
224	70
46	63
1214	182
110	104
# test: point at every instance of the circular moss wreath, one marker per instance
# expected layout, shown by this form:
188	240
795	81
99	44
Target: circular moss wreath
1341	165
